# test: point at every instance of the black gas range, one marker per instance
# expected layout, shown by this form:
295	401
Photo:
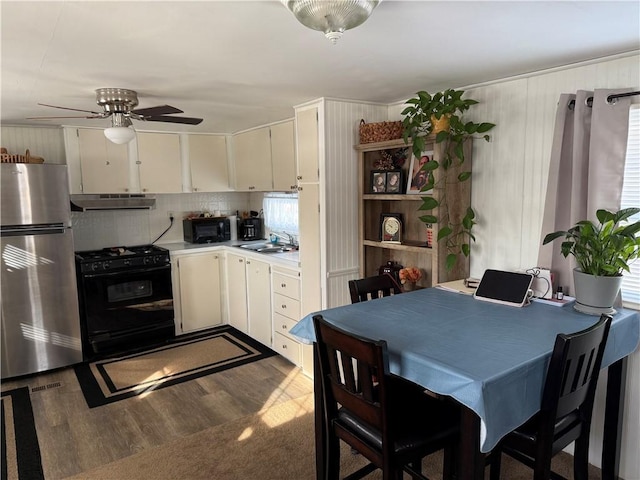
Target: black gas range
126	299
122	258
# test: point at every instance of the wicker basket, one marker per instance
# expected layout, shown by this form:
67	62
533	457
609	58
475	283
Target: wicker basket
26	158
380	132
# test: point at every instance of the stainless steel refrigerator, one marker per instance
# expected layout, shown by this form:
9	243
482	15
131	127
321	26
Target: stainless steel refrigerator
40	319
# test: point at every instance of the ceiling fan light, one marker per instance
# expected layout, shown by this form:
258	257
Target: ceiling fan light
332	17
119	135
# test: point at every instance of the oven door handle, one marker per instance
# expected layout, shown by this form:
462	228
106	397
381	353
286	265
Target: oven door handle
128	272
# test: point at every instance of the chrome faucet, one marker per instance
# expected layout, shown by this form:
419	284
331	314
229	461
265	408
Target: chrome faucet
290	238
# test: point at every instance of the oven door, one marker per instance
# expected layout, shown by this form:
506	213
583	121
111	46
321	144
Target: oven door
122	305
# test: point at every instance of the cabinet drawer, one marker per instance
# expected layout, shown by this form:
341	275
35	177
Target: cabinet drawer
286	306
282	324
287	286
289	349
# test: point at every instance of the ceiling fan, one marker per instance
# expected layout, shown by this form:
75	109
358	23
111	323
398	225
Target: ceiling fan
119	104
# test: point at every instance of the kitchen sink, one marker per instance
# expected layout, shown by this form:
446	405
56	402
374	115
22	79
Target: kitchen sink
269	247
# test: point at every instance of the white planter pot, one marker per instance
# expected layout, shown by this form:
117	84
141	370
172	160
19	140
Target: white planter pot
595	295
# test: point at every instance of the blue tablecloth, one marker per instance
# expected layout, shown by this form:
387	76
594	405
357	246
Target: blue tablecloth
491	358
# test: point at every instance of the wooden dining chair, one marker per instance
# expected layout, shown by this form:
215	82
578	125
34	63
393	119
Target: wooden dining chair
567	405
370	288
390	422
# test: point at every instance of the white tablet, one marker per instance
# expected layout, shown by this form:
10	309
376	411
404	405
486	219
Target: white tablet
508	288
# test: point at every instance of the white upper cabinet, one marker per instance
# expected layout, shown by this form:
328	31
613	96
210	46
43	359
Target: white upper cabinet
252	155
208	163
159	162
104	165
283	156
307	145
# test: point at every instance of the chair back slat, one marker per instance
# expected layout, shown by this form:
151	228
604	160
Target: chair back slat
348	375
574	368
352	388
370	288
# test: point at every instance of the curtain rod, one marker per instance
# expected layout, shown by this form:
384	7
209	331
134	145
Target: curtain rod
610	98
620	95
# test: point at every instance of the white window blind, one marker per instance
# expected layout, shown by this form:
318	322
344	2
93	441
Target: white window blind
631	198
281	212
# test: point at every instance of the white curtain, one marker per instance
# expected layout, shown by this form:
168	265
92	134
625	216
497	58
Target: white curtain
586	170
281	212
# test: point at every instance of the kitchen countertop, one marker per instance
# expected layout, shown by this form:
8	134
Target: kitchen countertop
290	259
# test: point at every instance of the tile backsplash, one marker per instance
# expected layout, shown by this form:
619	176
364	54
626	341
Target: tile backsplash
108	228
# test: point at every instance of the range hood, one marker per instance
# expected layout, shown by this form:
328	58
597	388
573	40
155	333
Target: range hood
83	203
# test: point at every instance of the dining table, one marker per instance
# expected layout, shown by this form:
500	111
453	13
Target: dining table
490	358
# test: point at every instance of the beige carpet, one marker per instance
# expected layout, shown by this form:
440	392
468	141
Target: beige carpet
274	444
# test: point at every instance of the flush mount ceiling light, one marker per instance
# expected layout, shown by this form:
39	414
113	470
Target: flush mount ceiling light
332	17
121	130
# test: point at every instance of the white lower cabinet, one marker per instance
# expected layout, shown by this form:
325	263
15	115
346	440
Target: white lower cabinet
249	293
259	300
285	284
196	291
237	292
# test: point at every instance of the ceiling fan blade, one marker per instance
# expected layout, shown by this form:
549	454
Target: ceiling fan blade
73	109
159	110
51	118
187	120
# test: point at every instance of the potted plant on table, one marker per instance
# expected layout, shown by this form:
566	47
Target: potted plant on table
602	253
441	114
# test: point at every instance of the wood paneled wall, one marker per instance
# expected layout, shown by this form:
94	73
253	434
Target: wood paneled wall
509	188
510	172
342	120
45	142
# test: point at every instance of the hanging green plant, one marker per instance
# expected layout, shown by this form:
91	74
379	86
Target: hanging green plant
424	116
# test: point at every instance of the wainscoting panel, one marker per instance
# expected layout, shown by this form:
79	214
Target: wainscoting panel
342	121
45	142
338	285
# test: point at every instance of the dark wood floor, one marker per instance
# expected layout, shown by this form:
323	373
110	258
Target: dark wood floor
74	438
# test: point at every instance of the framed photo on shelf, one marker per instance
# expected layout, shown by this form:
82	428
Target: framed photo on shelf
394	181
391	227
417	176
378	181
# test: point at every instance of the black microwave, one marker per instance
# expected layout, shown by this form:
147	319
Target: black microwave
206	229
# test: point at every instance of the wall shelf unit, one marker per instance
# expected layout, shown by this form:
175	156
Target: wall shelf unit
413	249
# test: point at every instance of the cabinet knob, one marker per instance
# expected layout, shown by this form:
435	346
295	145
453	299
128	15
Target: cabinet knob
299	189
107	163
284	327
126	189
284	307
138	162
240	260
195	189
299	177
284	346
144	189
283	285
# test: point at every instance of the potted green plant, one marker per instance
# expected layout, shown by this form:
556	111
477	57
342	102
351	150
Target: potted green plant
602	252
421	118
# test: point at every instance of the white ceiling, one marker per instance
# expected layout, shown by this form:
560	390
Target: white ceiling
240	64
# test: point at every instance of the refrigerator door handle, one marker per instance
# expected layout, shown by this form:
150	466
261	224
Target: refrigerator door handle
15	231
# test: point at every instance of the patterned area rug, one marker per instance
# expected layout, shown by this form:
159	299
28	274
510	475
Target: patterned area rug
20	451
112	379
